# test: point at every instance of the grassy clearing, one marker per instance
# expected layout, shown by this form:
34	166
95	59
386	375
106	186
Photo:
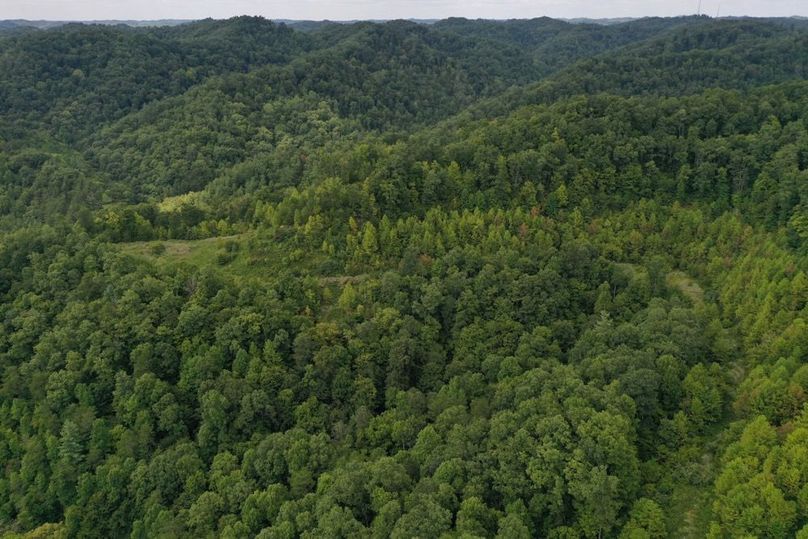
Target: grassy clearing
252	255
195	252
687	286
689	511
677	280
227	252
689	506
194	198
630	270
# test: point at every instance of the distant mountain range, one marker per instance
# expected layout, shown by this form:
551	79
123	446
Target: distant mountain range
584	20
44	25
305	25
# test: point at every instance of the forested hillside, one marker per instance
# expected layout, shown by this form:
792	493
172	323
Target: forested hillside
466	279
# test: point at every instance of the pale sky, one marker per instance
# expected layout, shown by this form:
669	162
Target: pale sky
386	9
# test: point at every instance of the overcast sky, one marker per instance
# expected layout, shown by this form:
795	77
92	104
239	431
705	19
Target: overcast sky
386	9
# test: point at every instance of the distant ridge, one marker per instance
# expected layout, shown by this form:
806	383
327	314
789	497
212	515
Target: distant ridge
605	22
309	25
44	25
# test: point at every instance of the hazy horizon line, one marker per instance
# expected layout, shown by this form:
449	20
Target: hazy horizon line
283	19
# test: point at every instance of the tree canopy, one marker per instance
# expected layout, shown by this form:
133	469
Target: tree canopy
467	279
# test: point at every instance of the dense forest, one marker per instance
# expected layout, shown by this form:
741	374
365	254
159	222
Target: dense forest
466	279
